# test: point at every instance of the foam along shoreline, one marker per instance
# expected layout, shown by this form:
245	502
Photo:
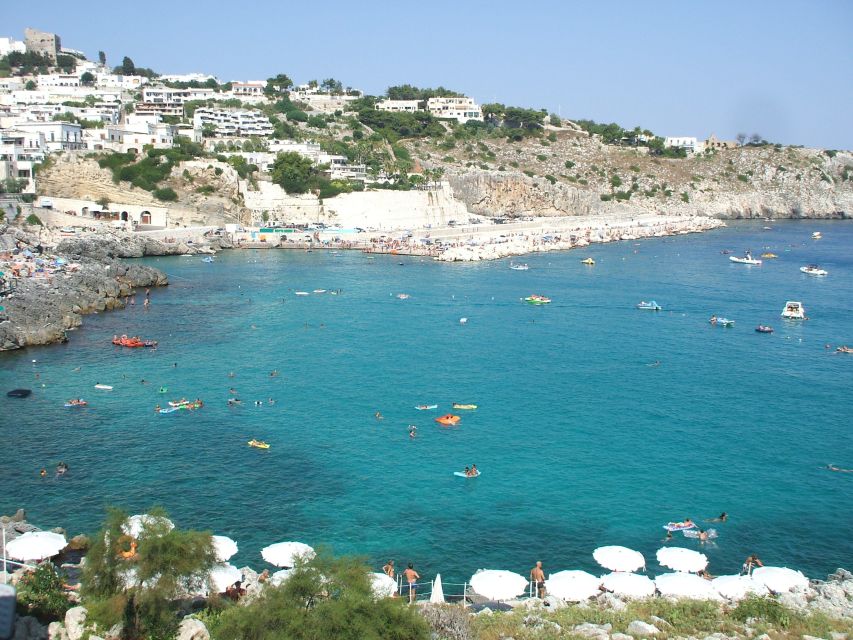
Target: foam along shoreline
561	234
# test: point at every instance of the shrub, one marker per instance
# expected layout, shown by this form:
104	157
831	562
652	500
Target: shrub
569	164
634	168
766	609
40	593
541	157
167	194
742	177
606	197
552	137
513	164
551	179
615	181
528	173
685	197
33	219
28	197
205	190
622	195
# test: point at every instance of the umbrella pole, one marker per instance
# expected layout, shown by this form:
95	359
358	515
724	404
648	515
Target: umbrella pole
4	555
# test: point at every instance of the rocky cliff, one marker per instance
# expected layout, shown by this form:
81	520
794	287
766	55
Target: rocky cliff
575	174
41	308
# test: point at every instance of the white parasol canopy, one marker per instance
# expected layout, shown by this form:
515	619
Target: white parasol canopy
284	554
35	545
682	559
738	587
573	586
619	559
497	584
628	585
780	579
383	585
223	576
280	576
134	524
686	585
437	595
224	547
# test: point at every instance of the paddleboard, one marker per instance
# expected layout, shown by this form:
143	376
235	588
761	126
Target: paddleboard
169	410
693	533
461	474
105	387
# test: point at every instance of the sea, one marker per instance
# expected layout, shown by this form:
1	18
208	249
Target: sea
596	422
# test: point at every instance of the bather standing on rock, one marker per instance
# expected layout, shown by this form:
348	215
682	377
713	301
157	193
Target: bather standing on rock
538	576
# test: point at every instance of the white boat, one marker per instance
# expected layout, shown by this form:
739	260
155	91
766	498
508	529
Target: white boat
816	235
650	306
105	387
794	310
722	322
301	293
746	259
813	270
518	267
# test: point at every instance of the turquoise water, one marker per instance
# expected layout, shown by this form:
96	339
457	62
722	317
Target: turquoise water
580	442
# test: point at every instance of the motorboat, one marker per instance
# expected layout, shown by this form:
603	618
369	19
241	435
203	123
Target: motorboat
469	407
319	291
258	444
301	293
763	328
722	322
794	311
403	296
588	261
816	235
519	267
745	259
767	228
769	256
18	393
814	270
426	407
651	305
537	299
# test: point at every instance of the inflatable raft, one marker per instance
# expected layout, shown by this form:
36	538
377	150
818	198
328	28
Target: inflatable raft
448	420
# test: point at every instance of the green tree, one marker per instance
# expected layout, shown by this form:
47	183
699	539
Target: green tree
335	87
127	66
41	594
322	598
278	85
293	172
142	590
87	79
30	86
102	57
34	220
555	120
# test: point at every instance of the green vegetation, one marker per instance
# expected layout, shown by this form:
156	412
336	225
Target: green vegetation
541	157
323	598
127	68
393	126
25	64
409	92
297	174
33	219
615	181
143	591
515	121
40	593
742	177
154	167
13	185
205	190
166	194
685	197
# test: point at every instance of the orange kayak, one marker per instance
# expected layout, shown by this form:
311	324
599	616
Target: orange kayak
448	420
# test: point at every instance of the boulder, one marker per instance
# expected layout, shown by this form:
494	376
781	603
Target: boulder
641	629
20	516
192	629
594	631
75	622
28	628
56	631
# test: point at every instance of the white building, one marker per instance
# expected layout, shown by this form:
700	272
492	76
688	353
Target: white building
201	78
58	136
9	45
137	216
107	80
250	89
689	144
167	95
399	106
18	157
461	109
233	122
54	80
134	135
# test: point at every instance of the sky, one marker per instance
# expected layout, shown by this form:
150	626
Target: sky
782	69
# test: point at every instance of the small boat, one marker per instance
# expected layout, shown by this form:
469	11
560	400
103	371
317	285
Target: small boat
768	228
319	291
403	296
207	259
258	444
763	328
537	299
794	311
746	259
723	322
588	261
76	403
19	393
518	267
426	407
650	306
448	420
104	387
463	320
769	256
462	474
816	235
813	270
467	407
134	342
302	293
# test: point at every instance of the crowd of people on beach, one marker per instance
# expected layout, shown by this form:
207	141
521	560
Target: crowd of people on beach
23	262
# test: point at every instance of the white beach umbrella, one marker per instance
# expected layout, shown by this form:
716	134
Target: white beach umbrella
224	547
35	545
738	587
280	576
682	559
284	554
223	576
780	579
437	595
628	585
134	524
498	585
686	585
573	586
618	558
383	585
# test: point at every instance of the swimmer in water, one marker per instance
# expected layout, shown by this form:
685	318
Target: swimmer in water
378	415
413	431
721	518
273	373
270	401
656	363
43	472
832	467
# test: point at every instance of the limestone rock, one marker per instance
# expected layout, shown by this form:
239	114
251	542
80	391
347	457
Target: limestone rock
192	629
638	628
75	622
20	516
621	636
593	631
56	631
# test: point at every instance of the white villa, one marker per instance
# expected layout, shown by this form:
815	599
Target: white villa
136	133
399	106
233	122
19	152
461	109
689	144
58	136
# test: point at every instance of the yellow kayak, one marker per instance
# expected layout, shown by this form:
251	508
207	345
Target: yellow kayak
258	444
456	405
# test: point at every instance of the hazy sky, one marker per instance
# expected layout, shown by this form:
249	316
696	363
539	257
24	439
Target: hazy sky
783	69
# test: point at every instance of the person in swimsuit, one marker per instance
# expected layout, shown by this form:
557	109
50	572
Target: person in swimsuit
751	562
721	518
538	576
388	569
412	577
832	467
